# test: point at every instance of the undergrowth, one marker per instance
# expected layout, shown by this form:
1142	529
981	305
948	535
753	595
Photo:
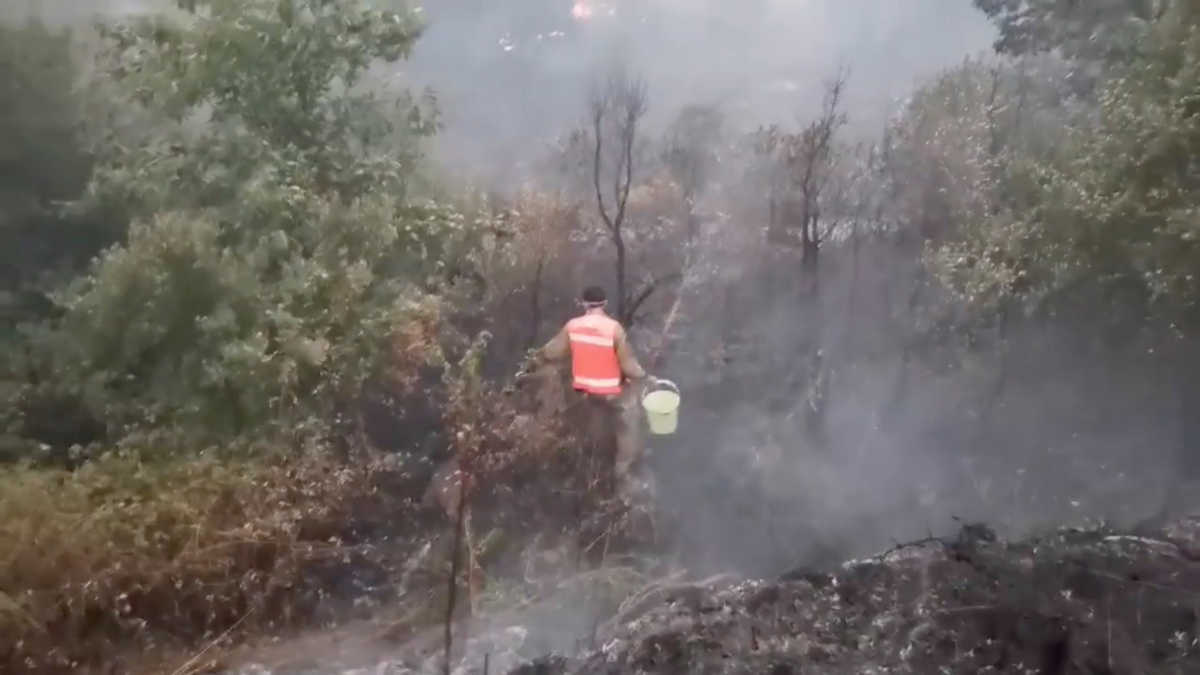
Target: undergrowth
125	556
122	556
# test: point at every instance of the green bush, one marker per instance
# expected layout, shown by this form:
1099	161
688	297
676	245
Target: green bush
177	328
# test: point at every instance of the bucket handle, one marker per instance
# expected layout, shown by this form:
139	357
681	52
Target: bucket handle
666	383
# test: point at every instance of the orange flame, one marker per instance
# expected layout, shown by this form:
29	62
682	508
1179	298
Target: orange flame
582	11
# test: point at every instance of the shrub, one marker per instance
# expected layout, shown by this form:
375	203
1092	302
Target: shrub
124	555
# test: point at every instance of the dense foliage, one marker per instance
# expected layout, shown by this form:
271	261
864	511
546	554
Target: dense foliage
1117	207
272	251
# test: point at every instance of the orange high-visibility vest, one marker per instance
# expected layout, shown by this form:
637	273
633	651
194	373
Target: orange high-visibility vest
594	361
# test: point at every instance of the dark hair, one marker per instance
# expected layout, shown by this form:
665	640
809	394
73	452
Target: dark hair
593	295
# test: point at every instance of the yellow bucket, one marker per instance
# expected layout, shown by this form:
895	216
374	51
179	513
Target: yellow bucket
662	407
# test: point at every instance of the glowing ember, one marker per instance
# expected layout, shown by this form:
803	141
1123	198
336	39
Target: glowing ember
582	11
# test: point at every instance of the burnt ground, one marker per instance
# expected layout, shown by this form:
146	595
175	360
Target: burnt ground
1073	601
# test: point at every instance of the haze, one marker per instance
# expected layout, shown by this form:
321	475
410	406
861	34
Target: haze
511	76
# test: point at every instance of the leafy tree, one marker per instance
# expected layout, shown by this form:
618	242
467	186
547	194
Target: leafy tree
1091	35
275	260
1118	208
250	84
941	151
1096	29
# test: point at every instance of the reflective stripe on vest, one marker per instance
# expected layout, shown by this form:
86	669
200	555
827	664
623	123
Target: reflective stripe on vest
593	340
594	362
599	384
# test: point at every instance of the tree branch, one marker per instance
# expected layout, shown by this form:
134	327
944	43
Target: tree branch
598	106
636	302
459	522
632	94
822	237
625	99
535	319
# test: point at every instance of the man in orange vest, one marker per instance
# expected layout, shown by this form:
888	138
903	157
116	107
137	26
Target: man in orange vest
602	360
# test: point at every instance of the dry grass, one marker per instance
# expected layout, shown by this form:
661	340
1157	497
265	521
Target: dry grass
124	555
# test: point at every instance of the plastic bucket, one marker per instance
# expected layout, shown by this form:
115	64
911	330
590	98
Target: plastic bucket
662	407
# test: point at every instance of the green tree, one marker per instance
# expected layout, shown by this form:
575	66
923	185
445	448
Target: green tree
1116	210
275	254
1096	29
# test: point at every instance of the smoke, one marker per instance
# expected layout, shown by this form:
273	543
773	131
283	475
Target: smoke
512	76
73	12
1042	432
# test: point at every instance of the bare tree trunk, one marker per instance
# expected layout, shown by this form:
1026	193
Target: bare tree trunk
664	338
811	257
535	301
622	298
1185	464
452	594
852	294
983	426
693	221
673	314
900	388
624	99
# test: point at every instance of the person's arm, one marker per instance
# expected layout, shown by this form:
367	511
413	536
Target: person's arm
629	363
557	349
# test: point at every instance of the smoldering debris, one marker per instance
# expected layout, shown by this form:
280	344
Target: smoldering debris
1073	601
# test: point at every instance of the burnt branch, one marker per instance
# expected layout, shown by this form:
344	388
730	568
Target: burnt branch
631	97
598	111
617	110
636	302
803	164
452	594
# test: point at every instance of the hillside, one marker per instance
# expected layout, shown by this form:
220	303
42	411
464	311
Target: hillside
277	278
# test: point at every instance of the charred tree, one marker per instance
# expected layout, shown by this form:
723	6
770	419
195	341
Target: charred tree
801	166
617	108
808	159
